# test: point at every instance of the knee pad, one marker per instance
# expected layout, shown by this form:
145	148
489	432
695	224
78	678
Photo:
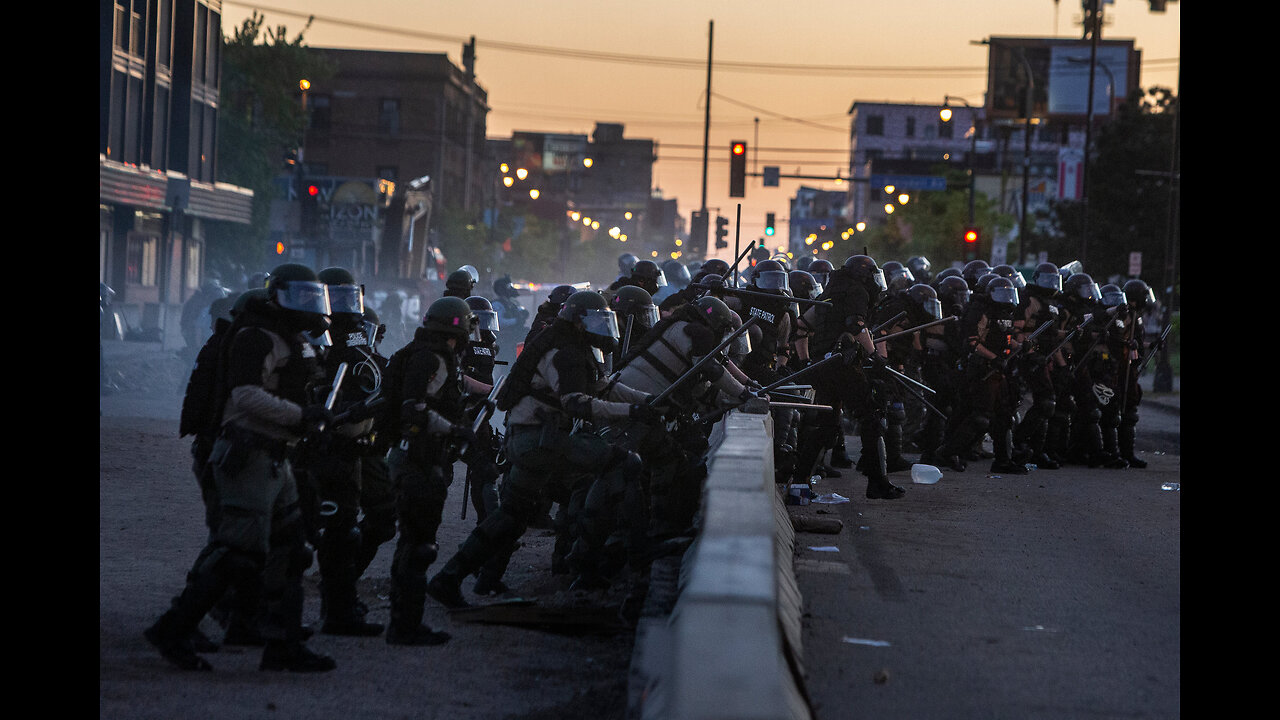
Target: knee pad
897	414
421	555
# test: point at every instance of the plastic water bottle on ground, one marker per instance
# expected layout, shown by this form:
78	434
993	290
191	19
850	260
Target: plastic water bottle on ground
925	474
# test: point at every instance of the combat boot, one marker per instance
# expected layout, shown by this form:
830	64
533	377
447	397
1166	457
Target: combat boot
839	457
174	646
342	616
1126	439
446	589
293	656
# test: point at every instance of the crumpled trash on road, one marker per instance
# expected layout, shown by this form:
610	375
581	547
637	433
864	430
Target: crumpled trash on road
831	499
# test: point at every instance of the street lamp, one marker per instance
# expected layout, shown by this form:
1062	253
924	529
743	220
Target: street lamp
945	114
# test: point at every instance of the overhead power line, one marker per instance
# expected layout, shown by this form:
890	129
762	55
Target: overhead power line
941	71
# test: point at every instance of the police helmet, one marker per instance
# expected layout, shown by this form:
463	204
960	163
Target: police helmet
1112	295
636	302
954	291
1002	291
345	296
945	273
1081	286
721	318
924	300
649	271
1010	272
804	262
893	270
863	267
1139	295
460	282
294	286
450	316
803	285
715	266
626	261
560	293
374	328
676	273
821	271
486	319
1046	276
770	275
475	274
974	270
919	266
589	311
980	287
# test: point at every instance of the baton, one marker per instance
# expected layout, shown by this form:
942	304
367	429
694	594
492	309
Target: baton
918	396
754	293
798	406
1164	333
333	392
887	323
906	378
482	417
746	324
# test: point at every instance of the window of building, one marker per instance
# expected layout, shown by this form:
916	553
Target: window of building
946	130
911	127
164	35
321	112
140	268
930	131
199	36
389	116
875	125
192	279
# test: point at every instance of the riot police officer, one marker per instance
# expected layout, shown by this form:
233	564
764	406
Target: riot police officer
332	462
557	378
260	543
843	326
425	388
1039	307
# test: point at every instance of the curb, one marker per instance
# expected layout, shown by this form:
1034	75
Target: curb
731	646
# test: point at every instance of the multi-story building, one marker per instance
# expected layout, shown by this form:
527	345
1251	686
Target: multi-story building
601	187
816	217
158	195
386	124
903	138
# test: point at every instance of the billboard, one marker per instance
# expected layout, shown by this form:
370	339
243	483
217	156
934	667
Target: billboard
1060	73
548	152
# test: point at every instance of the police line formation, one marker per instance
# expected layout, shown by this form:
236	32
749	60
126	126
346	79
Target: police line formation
310	445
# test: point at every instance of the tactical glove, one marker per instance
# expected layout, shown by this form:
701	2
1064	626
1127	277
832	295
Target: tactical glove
313	416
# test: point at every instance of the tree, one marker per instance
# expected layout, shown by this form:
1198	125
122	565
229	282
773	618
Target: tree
932	224
260	121
1128	191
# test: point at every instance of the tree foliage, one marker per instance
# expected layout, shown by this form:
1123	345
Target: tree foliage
1128	194
260	119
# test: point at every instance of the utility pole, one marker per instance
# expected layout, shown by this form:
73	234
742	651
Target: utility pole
1092	29
706	131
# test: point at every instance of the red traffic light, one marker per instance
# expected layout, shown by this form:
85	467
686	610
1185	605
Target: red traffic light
739	148
312	190
971	235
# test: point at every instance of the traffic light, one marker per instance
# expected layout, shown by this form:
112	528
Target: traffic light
722	231
698	229
738	169
768	224
280	247
969	248
310	210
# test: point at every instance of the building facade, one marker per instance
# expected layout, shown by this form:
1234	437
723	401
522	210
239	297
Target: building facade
887	138
159	77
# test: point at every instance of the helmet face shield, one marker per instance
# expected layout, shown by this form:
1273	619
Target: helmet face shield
772	280
601	322
1049	281
1006	295
662	279
1089	291
305	296
485	328
741	345
878	278
1113	297
647	315
933	308
346	299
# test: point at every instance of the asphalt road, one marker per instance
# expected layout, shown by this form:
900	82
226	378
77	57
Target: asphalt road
1051	595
